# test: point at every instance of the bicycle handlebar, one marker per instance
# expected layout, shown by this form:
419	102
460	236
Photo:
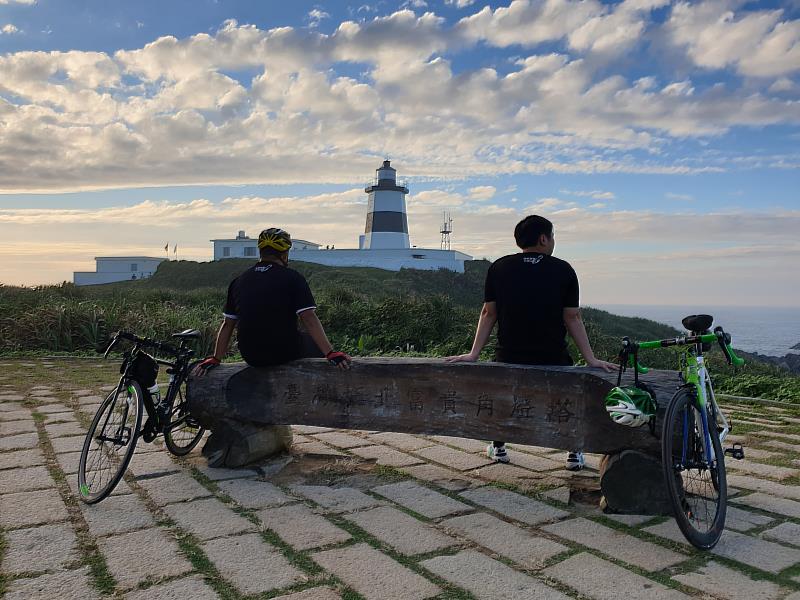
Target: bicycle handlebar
724	339
125	335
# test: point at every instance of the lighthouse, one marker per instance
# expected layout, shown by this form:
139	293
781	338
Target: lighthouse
387	222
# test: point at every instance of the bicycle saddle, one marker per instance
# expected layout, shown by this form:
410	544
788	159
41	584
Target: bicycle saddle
698	323
187	334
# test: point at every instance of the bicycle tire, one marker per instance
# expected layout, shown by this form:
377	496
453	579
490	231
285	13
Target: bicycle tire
688	494
89	491
179	419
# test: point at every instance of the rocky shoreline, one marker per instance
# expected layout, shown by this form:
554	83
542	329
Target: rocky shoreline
789	362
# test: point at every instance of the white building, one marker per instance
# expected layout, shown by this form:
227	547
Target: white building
385	243
109	269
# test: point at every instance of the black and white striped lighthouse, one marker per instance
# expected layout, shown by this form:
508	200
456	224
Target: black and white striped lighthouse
387	223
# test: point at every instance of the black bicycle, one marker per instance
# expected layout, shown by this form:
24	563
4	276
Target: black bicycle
117	425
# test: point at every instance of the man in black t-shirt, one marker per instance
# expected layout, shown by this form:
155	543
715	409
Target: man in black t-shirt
263	304
533	297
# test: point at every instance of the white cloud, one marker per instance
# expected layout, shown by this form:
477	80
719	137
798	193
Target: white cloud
757	43
594	194
171	113
482	192
8	29
460	3
28	2
316	16
681	197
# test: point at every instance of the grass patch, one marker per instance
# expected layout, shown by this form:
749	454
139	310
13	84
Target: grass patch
190	548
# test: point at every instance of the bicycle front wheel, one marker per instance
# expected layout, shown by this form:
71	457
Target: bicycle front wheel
110	443
697	486
183	433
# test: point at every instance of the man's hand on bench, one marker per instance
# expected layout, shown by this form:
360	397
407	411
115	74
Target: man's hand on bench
339	359
602	364
208	364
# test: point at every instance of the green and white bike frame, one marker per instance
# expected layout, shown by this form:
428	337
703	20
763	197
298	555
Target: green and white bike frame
695	374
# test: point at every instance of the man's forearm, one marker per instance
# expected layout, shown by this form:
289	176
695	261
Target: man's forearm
314	328
577	332
486	323
223	340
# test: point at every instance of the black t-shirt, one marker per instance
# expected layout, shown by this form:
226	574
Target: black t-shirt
265	300
531	291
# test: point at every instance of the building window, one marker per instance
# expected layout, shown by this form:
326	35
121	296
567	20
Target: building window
226	251
249	251
134	267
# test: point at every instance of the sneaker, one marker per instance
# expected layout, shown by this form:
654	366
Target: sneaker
575	461
497	454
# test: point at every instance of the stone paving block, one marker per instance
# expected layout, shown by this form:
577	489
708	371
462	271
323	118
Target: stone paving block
69	462
560	494
316	447
790	437
384	455
193	588
506	473
68	444
254	493
763	485
781	506
15	415
139	556
65	417
67	585
402	441
336	500
25	479
21	441
401	531
31	508
755	468
596	578
744	520
444	478
421	500
630	520
152	463
121	489
301	528
177	487
720	581
90	399
56	430
207	519
489	579
201	464
45	548
534	462
753	551
21	458
455	459
514	506
465	444
781	445
627	548
318	593
15	427
309	429
251	565
374	575
759	454
55	407
117	514
342	440
787	533
524	548
10	402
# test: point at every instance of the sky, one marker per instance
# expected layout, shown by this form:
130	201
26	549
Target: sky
662	138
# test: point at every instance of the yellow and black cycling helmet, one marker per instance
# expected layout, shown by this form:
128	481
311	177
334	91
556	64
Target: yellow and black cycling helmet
276	239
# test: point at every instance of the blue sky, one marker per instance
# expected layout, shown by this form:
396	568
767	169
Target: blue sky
651	132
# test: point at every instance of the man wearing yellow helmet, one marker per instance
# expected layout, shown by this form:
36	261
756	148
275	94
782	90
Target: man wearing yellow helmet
263	305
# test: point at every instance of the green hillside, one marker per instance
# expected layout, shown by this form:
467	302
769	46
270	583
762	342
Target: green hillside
365	312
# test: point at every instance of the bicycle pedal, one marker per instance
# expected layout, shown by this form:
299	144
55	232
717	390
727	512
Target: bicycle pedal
736	451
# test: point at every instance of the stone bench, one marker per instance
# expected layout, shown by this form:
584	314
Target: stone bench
248	408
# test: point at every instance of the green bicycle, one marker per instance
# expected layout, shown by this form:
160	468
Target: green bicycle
693	430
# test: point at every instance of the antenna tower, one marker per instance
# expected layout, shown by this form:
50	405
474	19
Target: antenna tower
446	230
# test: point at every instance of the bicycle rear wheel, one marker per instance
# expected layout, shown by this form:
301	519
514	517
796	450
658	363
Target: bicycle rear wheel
183	432
110	443
697	489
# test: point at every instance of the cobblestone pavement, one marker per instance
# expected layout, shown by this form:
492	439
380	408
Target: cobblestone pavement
357	514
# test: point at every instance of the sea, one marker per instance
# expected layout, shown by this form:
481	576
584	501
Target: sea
764	330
